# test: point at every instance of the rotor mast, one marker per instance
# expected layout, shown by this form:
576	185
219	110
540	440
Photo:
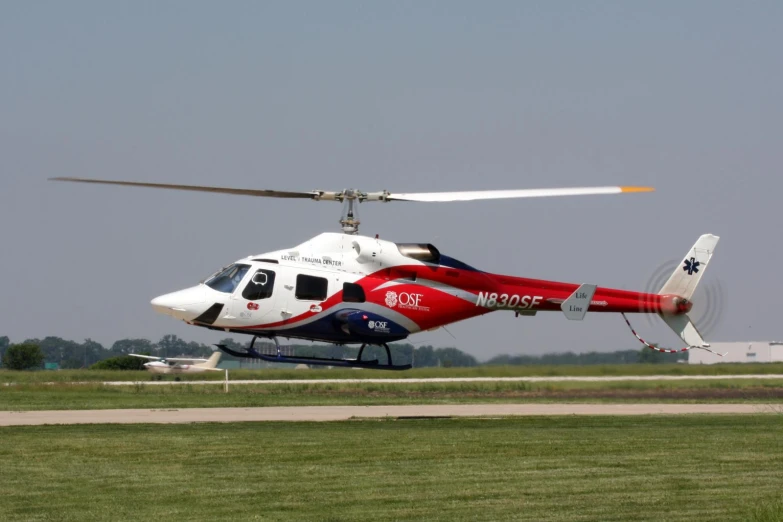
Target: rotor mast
349	220
350	198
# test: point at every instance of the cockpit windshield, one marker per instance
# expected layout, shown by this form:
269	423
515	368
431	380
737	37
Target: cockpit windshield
228	279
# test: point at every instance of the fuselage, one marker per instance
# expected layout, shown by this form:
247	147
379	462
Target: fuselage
355	289
162	367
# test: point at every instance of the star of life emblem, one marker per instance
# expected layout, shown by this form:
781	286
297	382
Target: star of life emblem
391	299
691	266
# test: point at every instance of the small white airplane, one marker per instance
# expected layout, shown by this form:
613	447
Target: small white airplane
180	364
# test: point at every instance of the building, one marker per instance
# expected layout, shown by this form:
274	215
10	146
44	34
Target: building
742	352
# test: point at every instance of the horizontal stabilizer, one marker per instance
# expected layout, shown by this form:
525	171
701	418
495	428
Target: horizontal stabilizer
575	307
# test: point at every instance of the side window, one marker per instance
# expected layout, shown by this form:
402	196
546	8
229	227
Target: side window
309	288
353	293
260	286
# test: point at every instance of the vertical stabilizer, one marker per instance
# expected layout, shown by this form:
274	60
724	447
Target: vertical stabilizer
212	362
683	283
687	275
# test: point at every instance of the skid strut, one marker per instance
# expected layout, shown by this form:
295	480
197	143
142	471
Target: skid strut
278	357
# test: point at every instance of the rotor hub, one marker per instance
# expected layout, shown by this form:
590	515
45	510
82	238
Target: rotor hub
675	305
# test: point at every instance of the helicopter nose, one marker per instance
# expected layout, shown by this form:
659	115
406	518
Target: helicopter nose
181	304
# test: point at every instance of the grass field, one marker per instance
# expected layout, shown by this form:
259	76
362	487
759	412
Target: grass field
567	468
97	396
480	371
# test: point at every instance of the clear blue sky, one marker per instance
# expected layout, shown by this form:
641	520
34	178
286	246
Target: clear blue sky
407	96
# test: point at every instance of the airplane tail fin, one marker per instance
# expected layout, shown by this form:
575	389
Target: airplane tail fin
212	362
683	283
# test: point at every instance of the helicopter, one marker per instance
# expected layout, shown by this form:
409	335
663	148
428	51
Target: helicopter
349	289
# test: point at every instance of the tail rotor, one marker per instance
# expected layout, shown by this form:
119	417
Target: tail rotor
709	300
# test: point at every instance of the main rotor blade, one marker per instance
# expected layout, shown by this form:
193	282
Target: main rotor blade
195	188
505	194
376	196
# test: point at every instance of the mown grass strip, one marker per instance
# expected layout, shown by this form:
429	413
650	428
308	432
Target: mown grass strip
586	468
96	396
479	371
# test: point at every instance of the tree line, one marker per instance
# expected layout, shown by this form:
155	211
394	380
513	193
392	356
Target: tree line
71	354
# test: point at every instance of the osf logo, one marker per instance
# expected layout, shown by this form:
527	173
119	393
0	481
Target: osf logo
404	300
407	299
379	326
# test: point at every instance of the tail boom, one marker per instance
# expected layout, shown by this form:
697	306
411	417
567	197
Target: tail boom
520	293
672	303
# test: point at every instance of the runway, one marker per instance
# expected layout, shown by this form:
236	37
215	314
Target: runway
342	413
603	378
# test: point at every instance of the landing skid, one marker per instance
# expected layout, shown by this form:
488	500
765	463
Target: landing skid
318	361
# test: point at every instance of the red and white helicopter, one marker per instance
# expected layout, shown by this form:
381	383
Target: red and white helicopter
352	289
